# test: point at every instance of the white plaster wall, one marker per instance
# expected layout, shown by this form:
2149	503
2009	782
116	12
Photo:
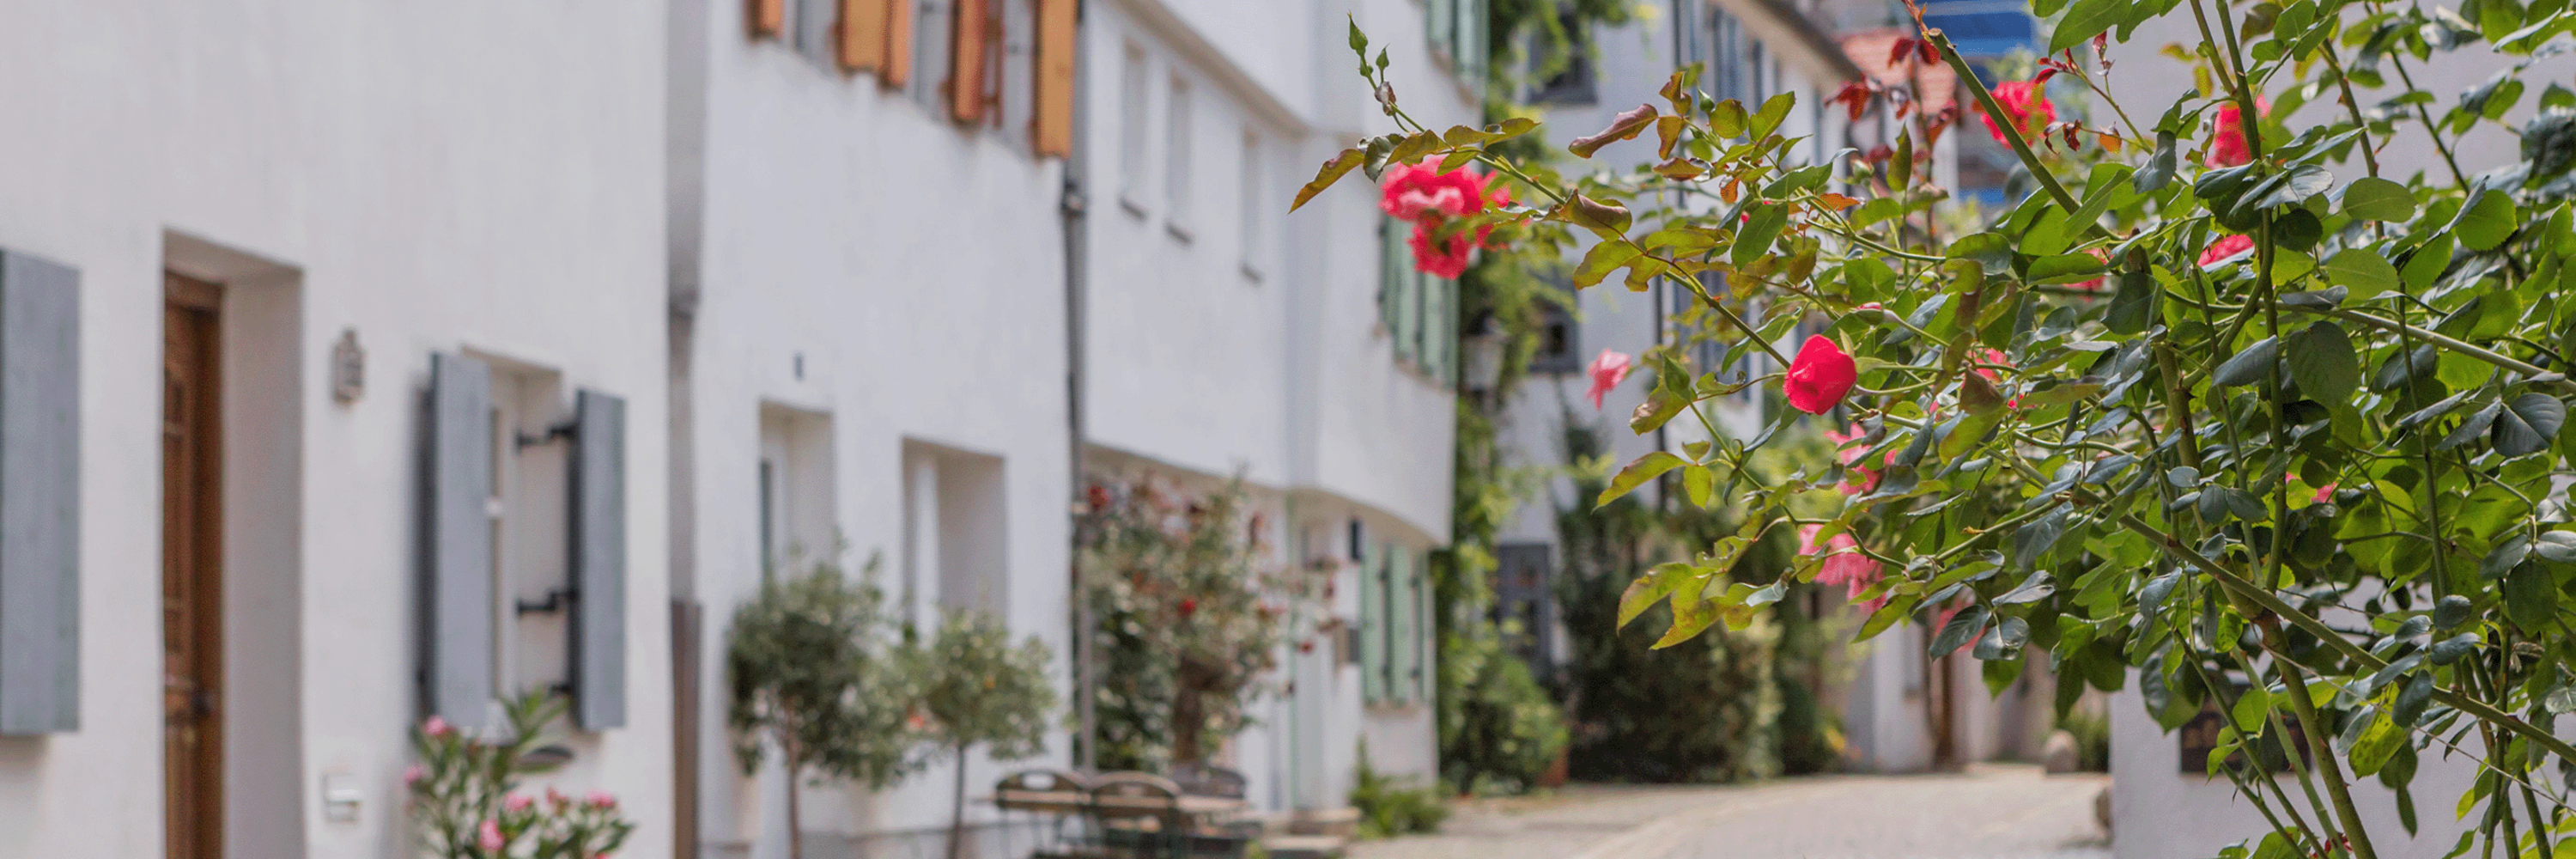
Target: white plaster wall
916	271
2149	791
441	176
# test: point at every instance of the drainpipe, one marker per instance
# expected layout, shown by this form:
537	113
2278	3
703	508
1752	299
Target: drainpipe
1073	205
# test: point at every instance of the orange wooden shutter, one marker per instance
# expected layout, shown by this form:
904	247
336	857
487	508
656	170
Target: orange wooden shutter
863	35
966	62
767	17
1051	125
898	44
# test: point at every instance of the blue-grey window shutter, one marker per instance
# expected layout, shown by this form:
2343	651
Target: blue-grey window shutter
456	640
39	495
599	560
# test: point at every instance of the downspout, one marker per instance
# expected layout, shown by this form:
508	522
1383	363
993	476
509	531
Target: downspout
1073	205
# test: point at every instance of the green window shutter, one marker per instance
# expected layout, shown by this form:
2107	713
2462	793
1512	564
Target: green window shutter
1474	50
1390	270
1443	346
1372	629
1408	310
1423	645
1404	649
1442	24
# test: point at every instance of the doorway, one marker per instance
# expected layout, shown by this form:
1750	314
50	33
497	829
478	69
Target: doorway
192	568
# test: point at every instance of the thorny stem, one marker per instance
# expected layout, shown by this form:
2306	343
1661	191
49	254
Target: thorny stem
2295	683
2012	135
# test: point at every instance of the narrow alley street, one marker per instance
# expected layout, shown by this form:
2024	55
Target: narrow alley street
1989	812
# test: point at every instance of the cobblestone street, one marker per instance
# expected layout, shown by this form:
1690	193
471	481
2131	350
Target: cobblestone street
1989	812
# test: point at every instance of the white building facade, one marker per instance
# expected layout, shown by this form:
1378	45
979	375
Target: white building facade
334	336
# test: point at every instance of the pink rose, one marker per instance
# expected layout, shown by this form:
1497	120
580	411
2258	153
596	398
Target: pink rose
1851	569
2324	494
601	799
1608	369
1819	376
413	774
1858	479
2227	146
2226	248
437	727
490	838
2027	105
517	802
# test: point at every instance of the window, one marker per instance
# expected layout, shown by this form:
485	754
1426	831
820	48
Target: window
1572	83
1560	346
811	23
1456	30
1131	128
955	532
1176	156
1254	245
932	34
798	527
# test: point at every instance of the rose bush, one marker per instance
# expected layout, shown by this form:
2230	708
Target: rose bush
2302	465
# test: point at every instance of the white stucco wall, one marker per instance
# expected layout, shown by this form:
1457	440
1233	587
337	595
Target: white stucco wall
436	176
868	263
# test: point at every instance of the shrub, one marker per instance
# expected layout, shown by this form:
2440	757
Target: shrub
1391	806
820	677
464	792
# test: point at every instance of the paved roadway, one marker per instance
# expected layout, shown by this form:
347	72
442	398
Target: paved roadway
1989	812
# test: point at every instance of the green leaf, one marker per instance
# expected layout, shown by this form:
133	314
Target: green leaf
1332	172
1700	483
2528	423
1602	259
2371	198
1728	118
1754	239
2273	846
1656	584
1646	468
2160	167
2251	708
2249	366
2084	20
1962	627
2035	539
2323	362
2133	307
2365	272
1688	622
2486	221
2376	744
1772	112
2064	268
2531	597
2288	189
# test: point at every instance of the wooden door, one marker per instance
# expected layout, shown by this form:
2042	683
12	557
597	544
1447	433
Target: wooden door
191	570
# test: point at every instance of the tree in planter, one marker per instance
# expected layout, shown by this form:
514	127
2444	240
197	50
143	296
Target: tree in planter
820	677
2211	382
1186	623
977	689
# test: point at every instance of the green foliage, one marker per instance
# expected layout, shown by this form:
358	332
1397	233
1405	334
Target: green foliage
820	676
464	792
1391	806
2189	466
1186	623
979	690
2092	733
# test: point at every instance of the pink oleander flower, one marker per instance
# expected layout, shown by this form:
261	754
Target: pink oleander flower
413	774
601	799
437	727
1820	376
2227	146
1851	569
2027	104
1857	479
517	802
1608	369
2227	247
490	836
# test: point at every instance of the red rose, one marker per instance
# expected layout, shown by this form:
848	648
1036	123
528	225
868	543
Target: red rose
1189	607
1428	198
2225	248
2227	139
1819	376
2028	106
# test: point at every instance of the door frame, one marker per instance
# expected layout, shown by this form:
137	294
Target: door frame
193	798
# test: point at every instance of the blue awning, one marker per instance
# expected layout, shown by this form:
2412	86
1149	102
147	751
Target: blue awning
1984	28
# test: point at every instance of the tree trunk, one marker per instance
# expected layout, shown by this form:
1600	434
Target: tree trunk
957	814
795	827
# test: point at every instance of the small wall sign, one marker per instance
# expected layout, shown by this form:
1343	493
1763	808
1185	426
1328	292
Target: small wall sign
348	367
